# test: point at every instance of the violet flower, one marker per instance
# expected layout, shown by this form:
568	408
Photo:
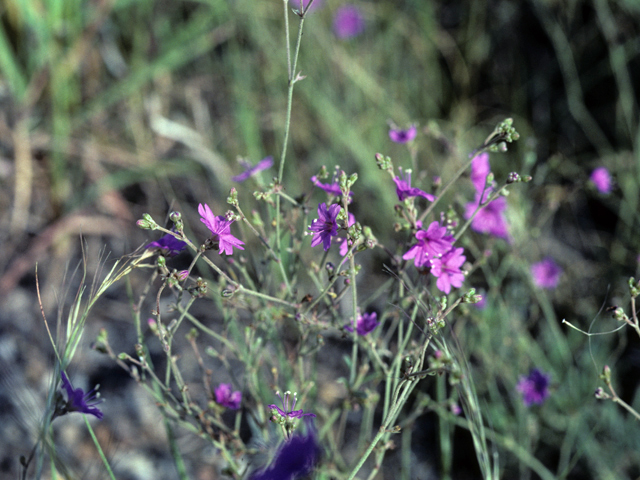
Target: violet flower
250	170
398	135
77	400
546	274
284	414
325	226
227	398
220	227
432	242
480	169
168	245
332	188
404	189
366	324
294	459
601	178
348	22
534	387
447	270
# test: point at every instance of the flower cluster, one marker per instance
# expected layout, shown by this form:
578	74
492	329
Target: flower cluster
434	250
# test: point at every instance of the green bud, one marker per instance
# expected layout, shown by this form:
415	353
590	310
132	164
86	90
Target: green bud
634	287
232	199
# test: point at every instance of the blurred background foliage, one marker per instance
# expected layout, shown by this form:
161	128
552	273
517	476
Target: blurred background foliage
113	108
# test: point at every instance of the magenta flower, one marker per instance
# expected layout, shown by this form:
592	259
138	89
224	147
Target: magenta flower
403	136
227	398
447	270
77	400
366	324
168	245
480	169
294	459
546	274
432	242
490	219
348	22
534	387
325	226
221	229
284	413
404	189
344	244
250	170
601	178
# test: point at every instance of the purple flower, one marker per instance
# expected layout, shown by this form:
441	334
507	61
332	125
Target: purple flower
286	414
226	398
432	243
480	169
314	6
546	273
168	245
402	136
249	169
534	388
404	189
325	226
294	459
348	22
221	229
601	178
447	270
332	188
490	219
344	245
77	400
366	324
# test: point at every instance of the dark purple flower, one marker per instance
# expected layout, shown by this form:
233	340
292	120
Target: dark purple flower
325	226
332	188
227	398
402	136
286	414
534	387
249	169
546	274
447	270
601	178
432	242
348	22
404	189
168	245
78	401
221	229
294	459
366	324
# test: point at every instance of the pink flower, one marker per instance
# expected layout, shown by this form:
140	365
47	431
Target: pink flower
432	242
348	22
220	227
403	136
490	219
226	398
447	270
404	189
601	178
546	274
480	169
366	324
325	226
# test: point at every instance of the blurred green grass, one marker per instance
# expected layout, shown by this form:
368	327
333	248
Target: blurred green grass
122	107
